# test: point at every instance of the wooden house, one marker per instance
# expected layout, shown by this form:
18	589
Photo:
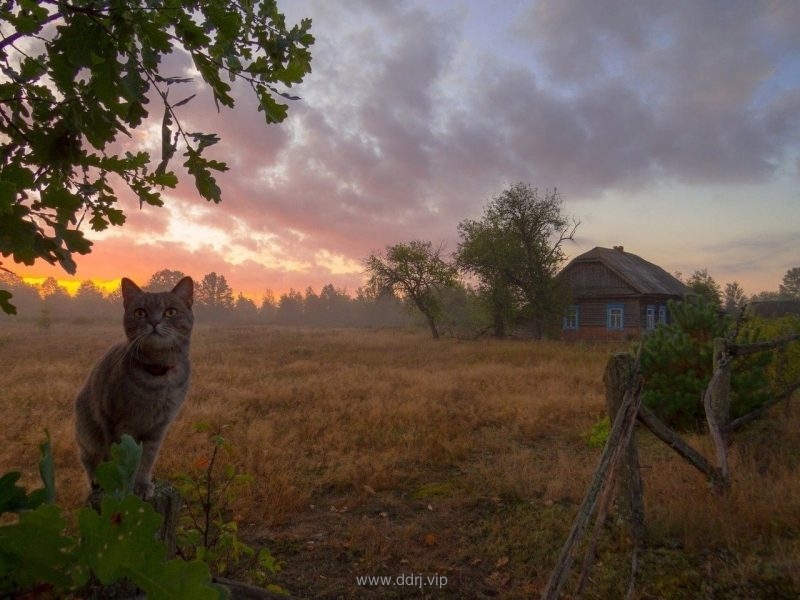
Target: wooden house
615	295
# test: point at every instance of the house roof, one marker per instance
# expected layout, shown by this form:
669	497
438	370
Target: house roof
641	275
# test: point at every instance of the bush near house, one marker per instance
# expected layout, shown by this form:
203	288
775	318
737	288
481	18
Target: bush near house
677	364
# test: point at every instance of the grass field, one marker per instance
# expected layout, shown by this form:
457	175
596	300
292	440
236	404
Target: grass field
384	453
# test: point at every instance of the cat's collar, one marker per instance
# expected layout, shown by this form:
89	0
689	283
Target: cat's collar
157	370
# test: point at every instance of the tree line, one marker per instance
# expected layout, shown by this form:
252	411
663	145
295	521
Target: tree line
215	301
501	278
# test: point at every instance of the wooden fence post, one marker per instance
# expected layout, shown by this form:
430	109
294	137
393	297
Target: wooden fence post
618	439
717	404
617	379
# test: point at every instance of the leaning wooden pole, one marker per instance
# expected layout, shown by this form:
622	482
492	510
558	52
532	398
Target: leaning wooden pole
620	436
717	405
617	378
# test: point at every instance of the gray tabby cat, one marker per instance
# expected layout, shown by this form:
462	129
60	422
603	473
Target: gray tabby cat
138	386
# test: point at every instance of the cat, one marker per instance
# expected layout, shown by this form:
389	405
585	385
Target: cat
139	385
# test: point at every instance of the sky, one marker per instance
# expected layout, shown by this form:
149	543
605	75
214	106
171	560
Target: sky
670	128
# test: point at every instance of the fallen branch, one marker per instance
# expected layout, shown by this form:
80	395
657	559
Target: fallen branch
674	441
747	349
761	410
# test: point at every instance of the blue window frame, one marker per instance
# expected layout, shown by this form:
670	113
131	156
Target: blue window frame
650	313
571	320
615	317
662	315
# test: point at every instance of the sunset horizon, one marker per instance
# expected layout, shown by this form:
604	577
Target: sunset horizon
666	130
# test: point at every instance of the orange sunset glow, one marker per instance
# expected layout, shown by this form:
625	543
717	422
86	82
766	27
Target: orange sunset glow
691	164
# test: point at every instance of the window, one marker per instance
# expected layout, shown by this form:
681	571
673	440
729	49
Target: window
651	317
571	317
615	317
662	315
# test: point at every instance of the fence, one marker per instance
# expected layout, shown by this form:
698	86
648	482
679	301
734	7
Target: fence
618	469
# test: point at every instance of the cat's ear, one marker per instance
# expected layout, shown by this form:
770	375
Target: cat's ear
185	290
129	291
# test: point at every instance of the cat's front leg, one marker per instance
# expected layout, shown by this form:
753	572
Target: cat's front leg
143	484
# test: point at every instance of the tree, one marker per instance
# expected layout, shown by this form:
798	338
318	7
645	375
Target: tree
214	294
417	273
89	305
766	296
269	307
290	308
245	308
480	254
55	300
163	280
515	252
336	305
313	312
704	285
26	296
790	288
735	298
79	74
677	362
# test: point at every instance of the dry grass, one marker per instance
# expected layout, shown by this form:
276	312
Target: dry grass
384	452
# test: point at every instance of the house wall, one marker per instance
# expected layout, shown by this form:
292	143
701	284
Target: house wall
599	334
593	320
592	288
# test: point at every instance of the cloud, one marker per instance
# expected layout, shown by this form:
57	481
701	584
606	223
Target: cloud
417	113
688	78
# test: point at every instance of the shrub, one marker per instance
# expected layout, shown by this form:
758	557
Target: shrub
209	531
39	558
677	364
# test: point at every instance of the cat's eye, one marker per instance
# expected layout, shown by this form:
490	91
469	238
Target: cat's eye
140	312
170	312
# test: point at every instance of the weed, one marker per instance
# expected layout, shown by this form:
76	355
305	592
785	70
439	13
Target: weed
598	435
207	530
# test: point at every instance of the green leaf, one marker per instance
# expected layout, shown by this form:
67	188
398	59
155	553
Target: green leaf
121	538
121	542
204	181
8	196
274	111
55	196
116	477
14	498
34	550
74	240
20	176
5	305
115	216
32	68
168	179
